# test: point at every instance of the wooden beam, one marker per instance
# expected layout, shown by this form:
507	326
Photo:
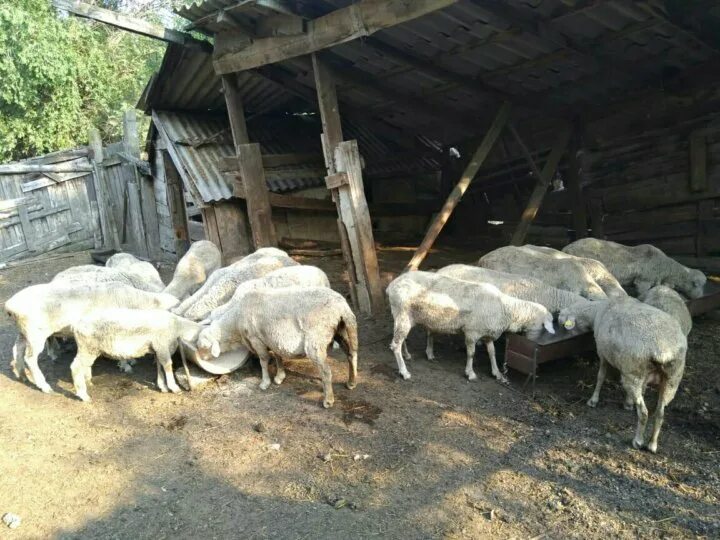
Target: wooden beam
472	168
271	161
357	20
538	193
574	184
131	24
251	174
176	205
27	168
524	149
107	218
289	201
259	210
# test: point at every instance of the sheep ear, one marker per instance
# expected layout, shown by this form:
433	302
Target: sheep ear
215	349
549	326
569	324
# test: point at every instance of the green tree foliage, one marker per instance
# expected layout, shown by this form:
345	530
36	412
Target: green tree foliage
60	77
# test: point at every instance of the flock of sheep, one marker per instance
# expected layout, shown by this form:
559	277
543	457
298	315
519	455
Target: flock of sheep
275	307
522	289
266	302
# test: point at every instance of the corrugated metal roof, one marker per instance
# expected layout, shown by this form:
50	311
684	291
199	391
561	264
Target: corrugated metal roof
200	141
567	55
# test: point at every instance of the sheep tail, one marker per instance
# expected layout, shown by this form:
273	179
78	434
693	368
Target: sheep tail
346	332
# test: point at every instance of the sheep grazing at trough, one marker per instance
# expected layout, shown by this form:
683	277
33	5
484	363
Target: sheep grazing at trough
201	260
125	334
524	288
642	266
127	261
644	344
221	285
667	300
447	305
135	276
561	273
41	311
289	322
301	275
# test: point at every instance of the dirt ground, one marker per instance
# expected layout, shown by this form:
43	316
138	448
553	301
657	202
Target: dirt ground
433	457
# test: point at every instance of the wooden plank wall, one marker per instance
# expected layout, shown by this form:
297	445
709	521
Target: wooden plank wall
39	213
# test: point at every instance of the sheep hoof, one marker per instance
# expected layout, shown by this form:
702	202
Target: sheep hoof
472	376
407	357
351	384
637	444
163	389
18	374
652	448
279	379
46	389
264	385
84	398
592	403
405	375
327	403
175	389
628	406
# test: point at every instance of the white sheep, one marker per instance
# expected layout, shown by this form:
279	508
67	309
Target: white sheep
644	344
667	300
289	322
143	277
447	305
301	275
143	268
125	334
41	311
221	285
560	273
524	288
194	268
643	266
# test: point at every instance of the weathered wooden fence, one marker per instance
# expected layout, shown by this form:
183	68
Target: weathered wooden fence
87	197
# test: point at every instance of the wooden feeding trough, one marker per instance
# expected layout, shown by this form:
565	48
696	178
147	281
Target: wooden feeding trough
227	362
525	355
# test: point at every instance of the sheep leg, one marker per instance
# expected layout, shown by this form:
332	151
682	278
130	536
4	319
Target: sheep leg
17	364
81	370
165	360
666	393
490	346
264	357
160	381
125	366
430	347
470	348
402	329
634	386
280	374
405	352
602	373
32	350
352	369
318	356
53	348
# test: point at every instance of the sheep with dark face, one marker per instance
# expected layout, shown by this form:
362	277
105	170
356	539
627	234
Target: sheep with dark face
644	344
446	305
643	266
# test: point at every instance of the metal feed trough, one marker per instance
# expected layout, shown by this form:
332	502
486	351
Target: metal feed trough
525	355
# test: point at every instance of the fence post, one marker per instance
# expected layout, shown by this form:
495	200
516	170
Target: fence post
107	220
131	147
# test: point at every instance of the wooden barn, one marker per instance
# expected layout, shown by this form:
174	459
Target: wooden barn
480	122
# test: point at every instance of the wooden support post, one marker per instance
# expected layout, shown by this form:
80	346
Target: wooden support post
458	191
252	175
345	182
107	219
596	218
538	193
176	205
574	184
698	162
131	147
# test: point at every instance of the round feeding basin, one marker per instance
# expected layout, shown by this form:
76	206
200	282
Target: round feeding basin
225	363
